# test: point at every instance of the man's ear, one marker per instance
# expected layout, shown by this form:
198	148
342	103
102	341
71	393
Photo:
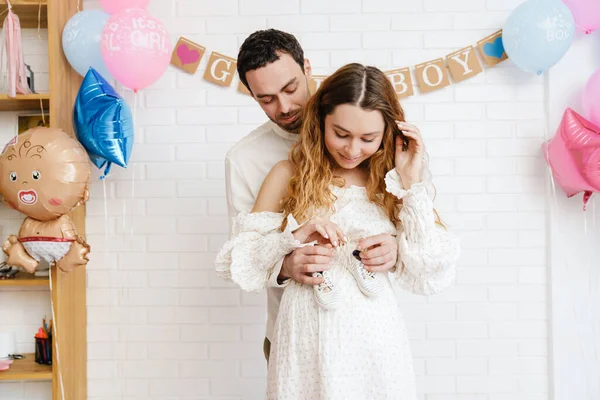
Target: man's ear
307	69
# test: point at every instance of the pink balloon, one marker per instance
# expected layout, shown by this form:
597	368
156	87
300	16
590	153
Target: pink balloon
114	6
574	155
586	14
136	48
591	98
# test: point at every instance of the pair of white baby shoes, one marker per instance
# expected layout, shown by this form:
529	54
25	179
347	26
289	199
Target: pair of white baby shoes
327	293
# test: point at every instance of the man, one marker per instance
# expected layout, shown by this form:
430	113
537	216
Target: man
272	66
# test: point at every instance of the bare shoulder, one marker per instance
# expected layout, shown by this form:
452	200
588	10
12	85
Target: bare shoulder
274	187
282	170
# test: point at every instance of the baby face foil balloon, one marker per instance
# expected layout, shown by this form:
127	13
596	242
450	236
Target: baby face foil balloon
44	174
574	155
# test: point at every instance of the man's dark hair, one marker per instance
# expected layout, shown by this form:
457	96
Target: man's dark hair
261	48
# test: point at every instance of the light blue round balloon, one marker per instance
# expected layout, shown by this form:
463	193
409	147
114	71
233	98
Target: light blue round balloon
81	42
538	33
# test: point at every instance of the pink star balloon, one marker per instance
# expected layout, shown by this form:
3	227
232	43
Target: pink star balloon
574	155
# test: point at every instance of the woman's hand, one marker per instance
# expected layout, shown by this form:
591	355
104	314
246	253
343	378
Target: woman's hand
320	229
409	159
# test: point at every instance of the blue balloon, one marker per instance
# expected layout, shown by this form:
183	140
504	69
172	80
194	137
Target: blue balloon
538	33
103	122
81	42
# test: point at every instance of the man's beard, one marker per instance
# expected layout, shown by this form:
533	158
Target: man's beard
294	126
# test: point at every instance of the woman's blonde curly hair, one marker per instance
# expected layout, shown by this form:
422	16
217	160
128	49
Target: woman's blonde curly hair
309	188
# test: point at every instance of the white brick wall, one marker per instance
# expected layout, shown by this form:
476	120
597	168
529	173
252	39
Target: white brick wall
162	326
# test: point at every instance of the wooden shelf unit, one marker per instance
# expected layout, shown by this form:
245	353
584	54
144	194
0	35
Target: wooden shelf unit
69	290
23	279
27	370
28	12
25	102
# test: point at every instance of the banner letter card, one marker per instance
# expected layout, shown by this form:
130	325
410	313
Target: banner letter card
402	82
464	64
220	69
187	55
432	75
492	49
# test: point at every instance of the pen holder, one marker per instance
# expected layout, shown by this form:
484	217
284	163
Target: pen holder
43	350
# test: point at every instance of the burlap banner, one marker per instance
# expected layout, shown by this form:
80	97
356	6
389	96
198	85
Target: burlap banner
429	76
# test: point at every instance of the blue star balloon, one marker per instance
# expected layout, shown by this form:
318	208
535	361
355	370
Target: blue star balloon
103	122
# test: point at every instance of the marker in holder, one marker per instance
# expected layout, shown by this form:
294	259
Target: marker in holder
43	350
43	344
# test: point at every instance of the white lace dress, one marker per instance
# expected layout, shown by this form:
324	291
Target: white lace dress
360	350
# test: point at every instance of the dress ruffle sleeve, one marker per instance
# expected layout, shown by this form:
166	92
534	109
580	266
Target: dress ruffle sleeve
255	247
427	252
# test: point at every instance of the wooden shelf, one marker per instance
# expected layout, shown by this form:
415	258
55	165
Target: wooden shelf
25	279
24	102
27	11
27	370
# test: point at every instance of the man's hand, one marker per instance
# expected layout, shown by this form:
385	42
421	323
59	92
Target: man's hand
378	253
300	264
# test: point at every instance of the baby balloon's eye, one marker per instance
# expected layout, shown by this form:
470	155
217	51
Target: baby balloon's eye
36	174
13	176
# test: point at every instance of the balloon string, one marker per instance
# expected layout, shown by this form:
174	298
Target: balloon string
135	103
39	19
132	199
42	111
594	282
553	187
552	182
594	215
105	208
125	300
55	334
123	220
